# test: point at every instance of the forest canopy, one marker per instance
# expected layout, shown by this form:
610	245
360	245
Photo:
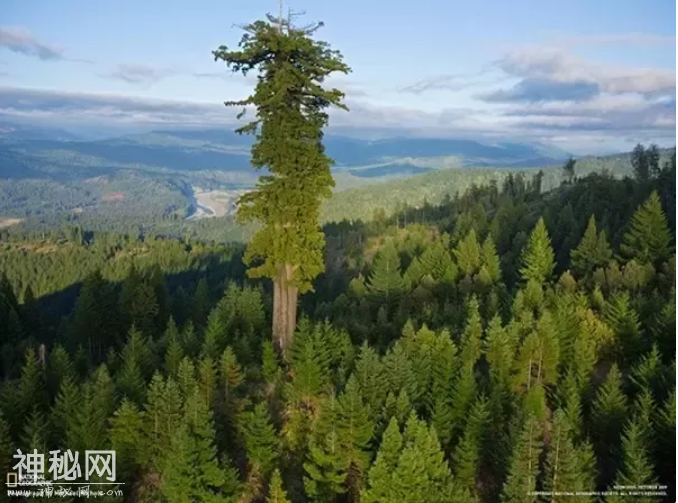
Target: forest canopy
503	342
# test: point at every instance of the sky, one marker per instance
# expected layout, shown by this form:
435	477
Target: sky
584	75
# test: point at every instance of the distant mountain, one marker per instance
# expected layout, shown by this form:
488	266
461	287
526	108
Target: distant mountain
61	154
13	131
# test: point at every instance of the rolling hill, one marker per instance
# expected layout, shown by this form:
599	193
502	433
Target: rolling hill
25	151
147	182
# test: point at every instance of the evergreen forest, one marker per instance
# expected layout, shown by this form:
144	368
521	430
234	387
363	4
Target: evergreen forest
506	343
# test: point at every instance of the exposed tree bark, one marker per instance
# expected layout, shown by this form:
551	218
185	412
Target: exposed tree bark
285	295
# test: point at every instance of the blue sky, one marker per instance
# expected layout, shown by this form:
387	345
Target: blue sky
585	75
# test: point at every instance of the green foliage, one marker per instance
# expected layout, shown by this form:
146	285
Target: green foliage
192	471
524	466
563	470
538	260
408	466
471	447
174	353
385	283
637	470
325	468
381	474
648	239
261	440
290	103
593	251
609	412
468	254
276	493
640	163
339	451
190	391
625	323
568	169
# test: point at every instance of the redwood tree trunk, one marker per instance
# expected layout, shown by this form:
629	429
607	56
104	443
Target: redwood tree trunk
284	308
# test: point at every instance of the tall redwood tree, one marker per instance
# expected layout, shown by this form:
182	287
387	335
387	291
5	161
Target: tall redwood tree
290	103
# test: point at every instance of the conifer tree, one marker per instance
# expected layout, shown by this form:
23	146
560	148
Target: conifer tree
207	380
231	373
229	404
386	283
290	103
186	380
88	426
261	440
162	415
639	162
127	293
471	344
538	260
499	351
215	335
644	413
380	487
444	368
648	372
571	405
128	440
648	238
35	433
666	431
491	262
139	352
536	363
437	263
468	254
593	251
563	470
422	468
468	452
173	352
59	368
130	382
369	372
30	395
310	364
399	407
609	413
637	468
523	469
276	493
270	368
65	404
338	450
189	340
325	466
625	323
191	470
568	169
356	430
653	157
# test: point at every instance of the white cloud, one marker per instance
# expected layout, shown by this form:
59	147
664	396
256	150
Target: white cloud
20	41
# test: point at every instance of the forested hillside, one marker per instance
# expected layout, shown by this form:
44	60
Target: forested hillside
505	341
156	205
416	191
